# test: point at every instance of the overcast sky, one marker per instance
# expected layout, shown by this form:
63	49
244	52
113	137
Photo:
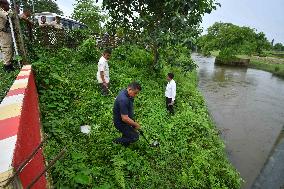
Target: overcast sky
263	15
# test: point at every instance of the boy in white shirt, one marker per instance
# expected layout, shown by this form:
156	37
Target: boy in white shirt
103	71
170	93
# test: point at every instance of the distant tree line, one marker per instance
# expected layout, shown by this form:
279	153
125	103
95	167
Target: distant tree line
231	40
278	47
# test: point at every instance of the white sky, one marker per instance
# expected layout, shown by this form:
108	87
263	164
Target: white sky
265	16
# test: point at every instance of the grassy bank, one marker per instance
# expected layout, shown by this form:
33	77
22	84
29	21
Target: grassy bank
271	64
276	69
191	154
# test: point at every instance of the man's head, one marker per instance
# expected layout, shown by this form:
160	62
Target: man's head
27	13
4	4
43	19
107	54
133	89
57	19
170	76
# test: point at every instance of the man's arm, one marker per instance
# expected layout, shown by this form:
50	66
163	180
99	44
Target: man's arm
129	121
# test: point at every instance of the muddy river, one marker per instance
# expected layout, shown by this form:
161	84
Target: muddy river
247	106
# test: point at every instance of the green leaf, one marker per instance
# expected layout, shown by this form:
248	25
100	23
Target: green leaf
82	179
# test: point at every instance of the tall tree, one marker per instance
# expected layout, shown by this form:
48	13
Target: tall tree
231	39
158	23
88	13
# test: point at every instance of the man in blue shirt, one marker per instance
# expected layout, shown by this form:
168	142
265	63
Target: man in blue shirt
123	114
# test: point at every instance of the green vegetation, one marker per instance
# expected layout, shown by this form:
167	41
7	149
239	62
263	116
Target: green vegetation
157	24
277	54
268	65
191	154
86	12
40	6
231	40
232	44
6	81
278	47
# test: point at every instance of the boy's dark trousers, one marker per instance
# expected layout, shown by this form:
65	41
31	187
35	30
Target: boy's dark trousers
104	89
170	108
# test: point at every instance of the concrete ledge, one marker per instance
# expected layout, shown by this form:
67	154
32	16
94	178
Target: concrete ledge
234	62
20	131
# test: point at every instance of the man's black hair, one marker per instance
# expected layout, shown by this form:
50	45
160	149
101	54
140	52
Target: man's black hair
2	2
107	51
135	86
171	75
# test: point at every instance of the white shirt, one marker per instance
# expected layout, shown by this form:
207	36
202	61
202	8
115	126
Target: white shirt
103	67
171	90
56	25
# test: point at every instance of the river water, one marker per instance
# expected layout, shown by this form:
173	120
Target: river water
247	106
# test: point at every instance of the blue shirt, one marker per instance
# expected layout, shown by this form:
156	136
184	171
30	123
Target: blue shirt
123	105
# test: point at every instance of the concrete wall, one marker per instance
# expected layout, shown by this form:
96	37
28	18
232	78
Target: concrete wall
20	131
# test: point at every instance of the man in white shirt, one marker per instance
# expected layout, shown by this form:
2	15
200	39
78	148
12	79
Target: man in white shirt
170	93
43	22
103	71
57	23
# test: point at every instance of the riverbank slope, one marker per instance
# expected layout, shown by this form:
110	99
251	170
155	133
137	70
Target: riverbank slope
191	153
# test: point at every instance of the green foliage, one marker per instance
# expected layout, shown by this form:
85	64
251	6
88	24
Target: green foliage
276	69
88	13
41	6
191	154
158	23
178	56
51	40
87	52
227	54
232	40
278	47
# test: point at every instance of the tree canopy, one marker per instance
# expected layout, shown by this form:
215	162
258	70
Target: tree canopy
158	23
41	6
88	13
231	39
278	47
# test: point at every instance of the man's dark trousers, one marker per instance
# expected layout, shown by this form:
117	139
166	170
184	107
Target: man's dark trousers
129	135
170	108
104	89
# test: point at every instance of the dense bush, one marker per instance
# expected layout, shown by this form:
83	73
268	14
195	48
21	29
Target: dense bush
191	154
231	40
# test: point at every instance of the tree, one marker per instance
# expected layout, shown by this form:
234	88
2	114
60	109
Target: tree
231	39
158	23
86	12
278	47
41	6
